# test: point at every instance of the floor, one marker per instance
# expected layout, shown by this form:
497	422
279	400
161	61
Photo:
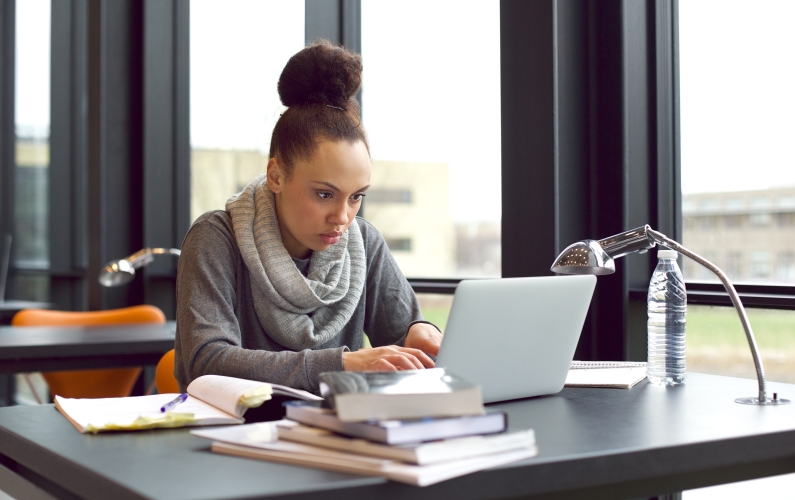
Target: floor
771	488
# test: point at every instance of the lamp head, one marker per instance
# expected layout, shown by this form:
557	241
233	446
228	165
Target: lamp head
122	271
596	257
584	257
117	273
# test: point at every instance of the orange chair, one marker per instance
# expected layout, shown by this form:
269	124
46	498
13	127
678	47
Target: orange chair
164	374
105	383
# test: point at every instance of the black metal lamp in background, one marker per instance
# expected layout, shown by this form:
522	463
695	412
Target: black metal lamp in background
122	271
596	257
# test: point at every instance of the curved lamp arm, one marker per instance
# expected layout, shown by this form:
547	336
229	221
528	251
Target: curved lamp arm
122	271
596	257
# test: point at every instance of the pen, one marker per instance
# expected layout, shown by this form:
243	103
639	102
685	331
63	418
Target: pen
171	404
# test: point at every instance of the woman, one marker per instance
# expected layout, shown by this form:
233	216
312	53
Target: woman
281	285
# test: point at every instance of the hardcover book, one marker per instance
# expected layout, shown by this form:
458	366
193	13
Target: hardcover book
358	396
396	431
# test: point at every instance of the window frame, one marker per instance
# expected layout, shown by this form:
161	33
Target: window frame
550	120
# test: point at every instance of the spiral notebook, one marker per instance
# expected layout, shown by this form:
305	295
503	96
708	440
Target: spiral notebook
611	374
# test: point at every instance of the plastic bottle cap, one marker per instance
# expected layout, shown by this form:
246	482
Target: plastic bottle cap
667	254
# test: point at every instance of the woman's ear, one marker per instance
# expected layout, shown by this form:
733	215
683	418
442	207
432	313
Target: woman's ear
275	175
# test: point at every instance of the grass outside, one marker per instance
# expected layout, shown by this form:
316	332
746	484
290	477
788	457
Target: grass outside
716	342
435	308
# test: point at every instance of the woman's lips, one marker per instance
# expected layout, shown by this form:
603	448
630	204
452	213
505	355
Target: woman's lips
330	238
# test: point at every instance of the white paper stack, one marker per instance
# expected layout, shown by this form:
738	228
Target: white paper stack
420	464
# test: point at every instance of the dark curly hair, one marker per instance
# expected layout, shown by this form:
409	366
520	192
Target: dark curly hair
318	86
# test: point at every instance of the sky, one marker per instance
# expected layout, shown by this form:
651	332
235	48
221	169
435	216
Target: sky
434	96
737	63
33	68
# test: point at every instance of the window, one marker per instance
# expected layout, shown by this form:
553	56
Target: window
760	265
736	127
785	270
238	51
398	244
389	196
431	106
716	342
32	124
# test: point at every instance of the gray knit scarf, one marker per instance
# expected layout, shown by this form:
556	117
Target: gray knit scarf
298	312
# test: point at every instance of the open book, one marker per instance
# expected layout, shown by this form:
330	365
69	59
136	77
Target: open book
212	400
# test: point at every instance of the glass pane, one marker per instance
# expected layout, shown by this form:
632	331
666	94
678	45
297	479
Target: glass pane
238	50
436	308
716	342
431	105
32	156
32	124
738	166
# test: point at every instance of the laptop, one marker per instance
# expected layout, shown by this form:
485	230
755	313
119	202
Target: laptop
516	337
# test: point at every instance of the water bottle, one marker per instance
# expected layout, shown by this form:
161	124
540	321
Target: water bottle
667	308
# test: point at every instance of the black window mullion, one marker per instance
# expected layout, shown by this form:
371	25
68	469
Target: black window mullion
68	204
166	142
7	118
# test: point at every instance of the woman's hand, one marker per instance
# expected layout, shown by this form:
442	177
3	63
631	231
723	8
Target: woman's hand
424	337
387	358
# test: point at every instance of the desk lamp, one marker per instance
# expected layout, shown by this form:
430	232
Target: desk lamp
122	271
596	257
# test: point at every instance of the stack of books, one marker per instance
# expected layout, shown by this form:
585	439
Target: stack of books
417	427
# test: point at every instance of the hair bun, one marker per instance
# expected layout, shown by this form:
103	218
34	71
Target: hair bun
320	74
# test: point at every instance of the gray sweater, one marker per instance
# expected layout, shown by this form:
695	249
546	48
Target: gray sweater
217	327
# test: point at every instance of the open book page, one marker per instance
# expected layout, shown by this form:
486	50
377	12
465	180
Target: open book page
141	412
283	390
232	395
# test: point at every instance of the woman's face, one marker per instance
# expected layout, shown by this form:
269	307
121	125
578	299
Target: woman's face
317	202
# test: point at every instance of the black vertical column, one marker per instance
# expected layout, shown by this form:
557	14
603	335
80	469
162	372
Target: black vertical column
166	142
581	144
7	120
338	21
115	180
68	211
7	144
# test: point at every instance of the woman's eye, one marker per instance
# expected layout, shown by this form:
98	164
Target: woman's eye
326	195
358	197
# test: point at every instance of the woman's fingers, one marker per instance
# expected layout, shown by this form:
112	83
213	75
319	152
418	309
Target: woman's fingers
405	361
387	358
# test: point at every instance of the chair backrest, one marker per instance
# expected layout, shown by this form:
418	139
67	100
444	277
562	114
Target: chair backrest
164	374
44	317
108	383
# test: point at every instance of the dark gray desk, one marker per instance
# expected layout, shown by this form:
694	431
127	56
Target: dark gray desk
26	349
593	443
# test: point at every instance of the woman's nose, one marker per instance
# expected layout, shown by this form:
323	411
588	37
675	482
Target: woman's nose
339	216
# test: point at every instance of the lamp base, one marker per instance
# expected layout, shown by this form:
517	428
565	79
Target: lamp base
766	402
